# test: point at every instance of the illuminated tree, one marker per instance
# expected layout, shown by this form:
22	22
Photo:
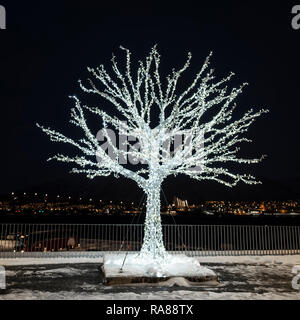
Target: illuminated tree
155	116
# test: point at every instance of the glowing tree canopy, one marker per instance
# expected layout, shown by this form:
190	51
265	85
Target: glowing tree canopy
152	112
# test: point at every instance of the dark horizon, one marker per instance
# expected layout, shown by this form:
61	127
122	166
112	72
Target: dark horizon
46	49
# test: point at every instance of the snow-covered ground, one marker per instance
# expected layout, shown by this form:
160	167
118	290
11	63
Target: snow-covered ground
267	259
158	295
44	261
79	278
133	265
95	257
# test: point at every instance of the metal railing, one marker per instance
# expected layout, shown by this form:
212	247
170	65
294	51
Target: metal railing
194	240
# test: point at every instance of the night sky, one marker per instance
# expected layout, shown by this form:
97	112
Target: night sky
47	47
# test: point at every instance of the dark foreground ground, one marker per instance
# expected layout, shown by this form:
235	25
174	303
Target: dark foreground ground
84	281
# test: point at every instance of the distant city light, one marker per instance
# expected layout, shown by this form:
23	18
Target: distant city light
252	208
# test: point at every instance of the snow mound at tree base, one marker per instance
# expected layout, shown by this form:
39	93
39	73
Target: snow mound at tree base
144	269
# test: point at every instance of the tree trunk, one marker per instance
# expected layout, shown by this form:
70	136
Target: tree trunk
153	238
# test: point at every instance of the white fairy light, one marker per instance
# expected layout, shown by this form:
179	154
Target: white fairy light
134	101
